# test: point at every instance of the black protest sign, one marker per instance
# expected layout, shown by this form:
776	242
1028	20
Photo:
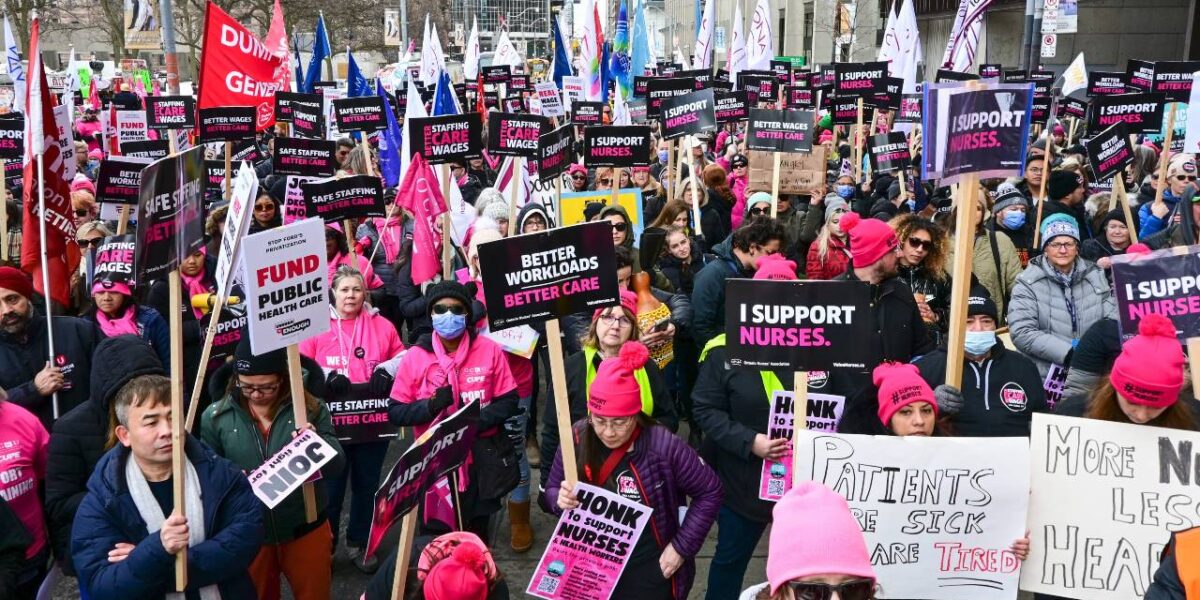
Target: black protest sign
13	173
515	135
1141	112
447	138
986	133
230	328
537	276
152	149
216	175
170	213
990	70
1139	75
780	130
910	109
828	76
624	147
1109	152
889	152
514	105
1040	109
118	179
1173	78
701	77
944	75
845	110
364	113
890	98
798	325
1166	282
114	261
247	150
1071	107
660	89
691	114
495	74
782	70
640	84
12	138
170	112
1105	83
556	151
731	107
284	101
360	416
227	123
859	80
308	116
518	83
587	113
754	82
337	199
300	156
798	96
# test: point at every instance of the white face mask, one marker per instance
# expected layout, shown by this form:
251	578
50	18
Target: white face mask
978	343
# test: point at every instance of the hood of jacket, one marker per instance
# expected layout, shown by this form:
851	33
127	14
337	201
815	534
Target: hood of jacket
532	208
116	361
617	209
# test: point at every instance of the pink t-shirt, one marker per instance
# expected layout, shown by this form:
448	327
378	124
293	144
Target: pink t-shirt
354	347
23	444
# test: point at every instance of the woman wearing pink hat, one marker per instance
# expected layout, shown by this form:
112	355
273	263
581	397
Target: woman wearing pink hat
116	313
622	450
452	566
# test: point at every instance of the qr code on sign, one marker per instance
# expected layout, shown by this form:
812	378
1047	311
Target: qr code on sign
775	487
548	585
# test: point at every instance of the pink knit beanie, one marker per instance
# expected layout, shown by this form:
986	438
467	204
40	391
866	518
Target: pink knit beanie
628	302
615	391
900	384
814	533
1133	376
870	239
775	266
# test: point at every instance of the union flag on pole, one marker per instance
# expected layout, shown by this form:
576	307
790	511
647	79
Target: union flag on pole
236	69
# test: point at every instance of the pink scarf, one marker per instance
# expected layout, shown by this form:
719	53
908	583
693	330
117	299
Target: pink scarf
125	324
391	232
195	286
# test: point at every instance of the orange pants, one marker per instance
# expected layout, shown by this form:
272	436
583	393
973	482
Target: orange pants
305	561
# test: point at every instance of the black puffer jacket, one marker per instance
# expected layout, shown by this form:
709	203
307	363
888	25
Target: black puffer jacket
80	437
684	276
900	334
1000	394
22	359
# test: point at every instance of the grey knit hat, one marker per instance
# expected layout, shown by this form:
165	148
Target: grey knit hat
833	203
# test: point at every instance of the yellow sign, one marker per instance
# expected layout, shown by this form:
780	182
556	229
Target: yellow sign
573	203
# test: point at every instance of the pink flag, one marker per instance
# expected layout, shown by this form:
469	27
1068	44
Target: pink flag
420	194
277	43
94	97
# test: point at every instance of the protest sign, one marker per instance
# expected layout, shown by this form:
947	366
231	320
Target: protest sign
230	327
362	113
591	544
799	96
1070	107
731	107
216	176
587	113
1139	75
444	447
549	98
859	80
889	152
131	126
975	131
1164	282
1141	112
288	469
12	138
66	141
360	416
1173	79
447	138
336	199
293	198
660	89
114	260
990	70
284	101
518	83
237	222
942	513
823	413
610	146
1139	487
640	84
1109	152
798	173
496	74
572	204
170	213
689	114
246	150
1191	137
118	179
947	75
572	90
236	69
798	325
532	277
515	135
845	110
556	152
779	130
299	156
285	274
308	117
146	149
1105	83
910	109
170	112
226	124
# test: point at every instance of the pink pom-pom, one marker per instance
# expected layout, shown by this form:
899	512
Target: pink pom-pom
633	355
1138	248
470	555
1156	325
849	221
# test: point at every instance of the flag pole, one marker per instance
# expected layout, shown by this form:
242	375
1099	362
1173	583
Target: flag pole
46	271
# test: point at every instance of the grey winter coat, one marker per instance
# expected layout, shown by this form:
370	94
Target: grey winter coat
1039	317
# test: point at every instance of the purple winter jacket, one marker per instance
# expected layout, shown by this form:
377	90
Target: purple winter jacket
671	472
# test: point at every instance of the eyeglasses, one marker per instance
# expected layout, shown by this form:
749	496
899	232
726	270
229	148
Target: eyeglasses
1060	246
264	207
454	309
264	390
917	243
605	181
859	589
81	212
89	243
759	211
622	320
615	424
1185	178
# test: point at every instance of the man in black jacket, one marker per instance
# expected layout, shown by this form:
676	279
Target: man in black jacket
1066	194
737	257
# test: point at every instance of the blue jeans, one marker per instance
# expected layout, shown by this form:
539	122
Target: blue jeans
364	464
737	537
514	426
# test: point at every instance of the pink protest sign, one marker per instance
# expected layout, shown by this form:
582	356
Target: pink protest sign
589	547
824	413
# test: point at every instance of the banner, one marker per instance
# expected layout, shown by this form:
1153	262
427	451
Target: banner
363	113
146	149
170	214
1140	487
118	179
142	25
336	199
170	112
591	545
859	80
823	413
114	260
360	416
798	326
226	124
889	152
515	135
981	132
731	107
1173	79
288	469
446	138
12	138
285	275
556	152
308	116
941	514
690	114
1105	83
445	447
548	274
1164	282
1139	76
779	130
572	205
236	69
1141	112
625	146
300	156
587	113
1109	152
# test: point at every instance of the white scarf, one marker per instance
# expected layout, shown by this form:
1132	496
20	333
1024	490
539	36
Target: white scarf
152	513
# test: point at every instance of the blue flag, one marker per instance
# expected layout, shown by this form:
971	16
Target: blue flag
641	42
606	75
356	84
320	51
562	60
299	79
390	142
444	102
618	66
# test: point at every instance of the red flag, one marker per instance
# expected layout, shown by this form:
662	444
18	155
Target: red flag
236	69
420	195
277	43
61	255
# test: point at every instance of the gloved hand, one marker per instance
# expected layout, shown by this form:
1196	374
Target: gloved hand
949	399
443	397
337	384
381	383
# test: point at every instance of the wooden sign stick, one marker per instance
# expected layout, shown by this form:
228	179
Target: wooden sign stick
960	280
178	436
300	412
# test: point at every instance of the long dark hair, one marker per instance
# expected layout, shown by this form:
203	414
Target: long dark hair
1103	406
593	451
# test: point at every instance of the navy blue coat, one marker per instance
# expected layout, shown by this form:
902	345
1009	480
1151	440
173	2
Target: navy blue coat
107	516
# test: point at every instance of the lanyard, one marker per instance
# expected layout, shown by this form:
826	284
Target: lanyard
614	458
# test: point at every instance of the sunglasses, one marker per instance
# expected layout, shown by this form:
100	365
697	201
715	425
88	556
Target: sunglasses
264	207
579	177
1185	178
605	181
81	212
759	211
918	243
89	243
621	227
859	589
454	309
739	166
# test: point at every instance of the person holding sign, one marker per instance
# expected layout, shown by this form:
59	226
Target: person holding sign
737	256
360	348
1155	216
126	532
251	422
620	449
1112	239
266	213
115	312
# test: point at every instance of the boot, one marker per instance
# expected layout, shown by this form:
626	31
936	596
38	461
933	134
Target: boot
532	453
518	519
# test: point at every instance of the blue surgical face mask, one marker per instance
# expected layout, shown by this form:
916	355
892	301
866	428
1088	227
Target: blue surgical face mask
979	342
1013	219
912	205
845	191
449	325
662	156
